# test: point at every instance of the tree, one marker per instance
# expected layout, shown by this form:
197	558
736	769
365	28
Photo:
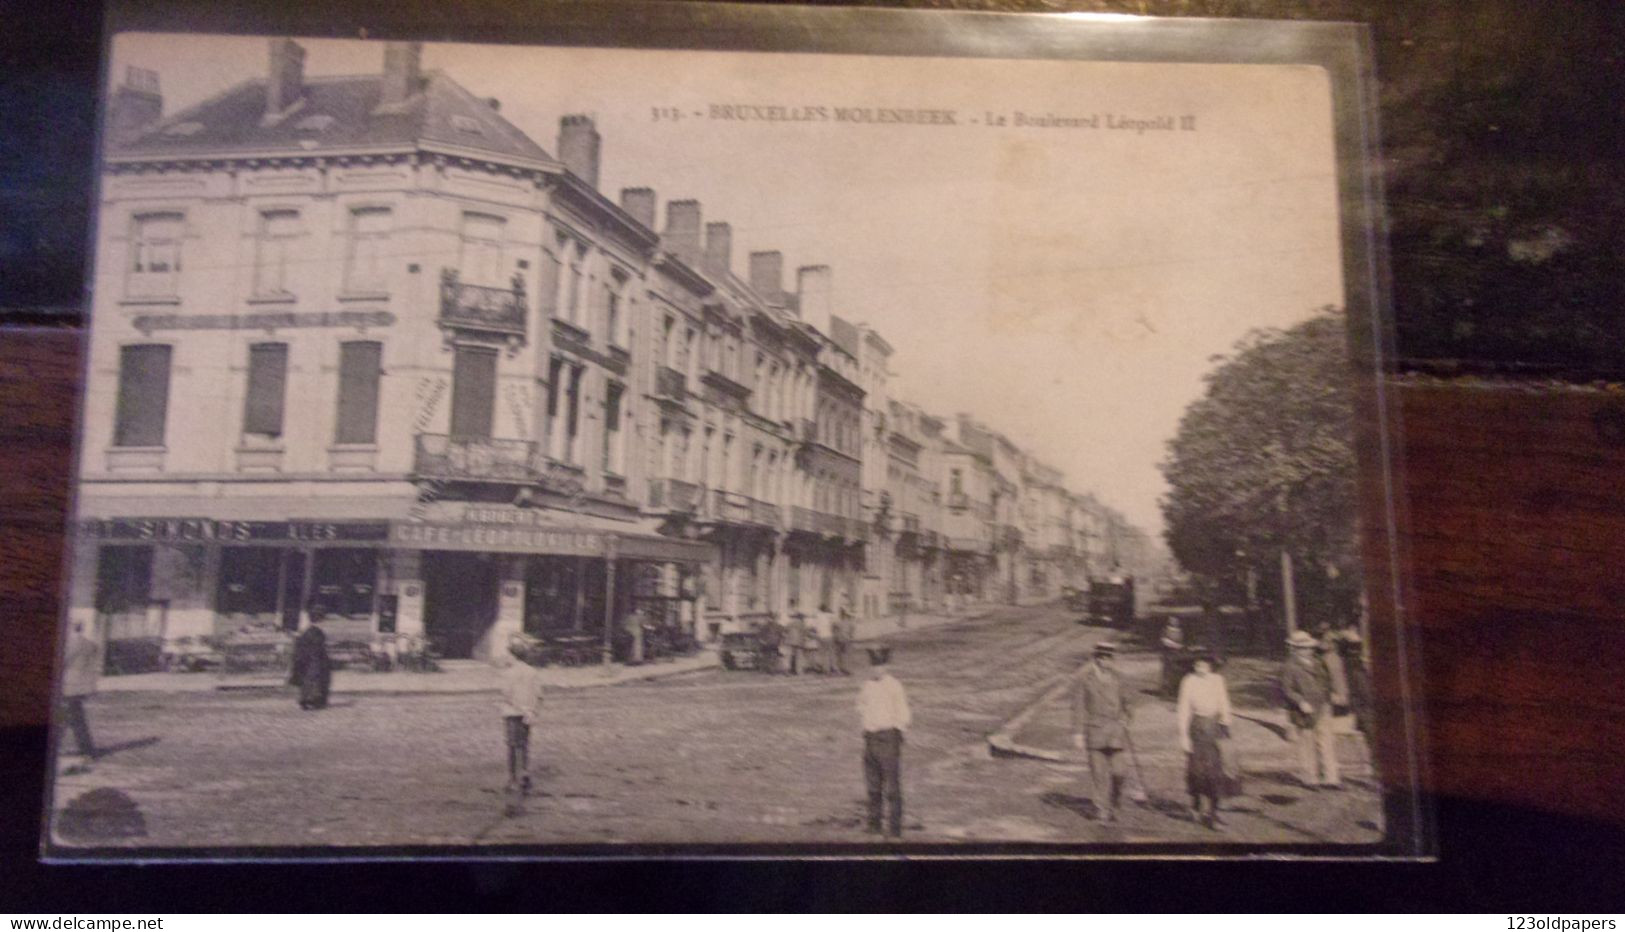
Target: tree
1264	461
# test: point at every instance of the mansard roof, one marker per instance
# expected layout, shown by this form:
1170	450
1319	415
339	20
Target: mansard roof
336	113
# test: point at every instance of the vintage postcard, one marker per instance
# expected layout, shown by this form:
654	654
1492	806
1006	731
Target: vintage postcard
561	449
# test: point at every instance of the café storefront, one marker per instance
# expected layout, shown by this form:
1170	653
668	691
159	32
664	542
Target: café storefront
463	581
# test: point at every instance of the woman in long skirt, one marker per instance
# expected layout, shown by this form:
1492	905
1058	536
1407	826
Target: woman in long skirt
1204	719
312	668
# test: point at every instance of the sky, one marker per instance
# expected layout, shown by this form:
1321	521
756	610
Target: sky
1067	285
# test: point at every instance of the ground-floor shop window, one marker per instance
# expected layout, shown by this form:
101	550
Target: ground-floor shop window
250	582
343	582
552	593
131	623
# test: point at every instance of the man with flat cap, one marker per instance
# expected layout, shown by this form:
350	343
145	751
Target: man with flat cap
1100	717
883	708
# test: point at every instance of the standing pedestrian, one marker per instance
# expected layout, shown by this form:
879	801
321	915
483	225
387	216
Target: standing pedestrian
883	710
1306	690
795	640
1204	720
521	710
81	670
1352	646
842	640
312	668
632	624
824	640
1100	720
1173	656
1336	673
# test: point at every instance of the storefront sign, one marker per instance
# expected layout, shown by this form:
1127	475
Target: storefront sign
440	536
268	321
208	530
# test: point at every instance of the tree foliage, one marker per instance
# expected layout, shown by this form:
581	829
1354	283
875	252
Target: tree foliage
1265	459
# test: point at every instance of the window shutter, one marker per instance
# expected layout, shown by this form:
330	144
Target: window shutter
473	392
143	396
267	385
359	371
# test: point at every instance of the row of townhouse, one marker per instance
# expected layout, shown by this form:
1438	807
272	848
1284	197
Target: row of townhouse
365	352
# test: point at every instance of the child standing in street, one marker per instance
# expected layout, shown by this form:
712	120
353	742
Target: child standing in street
521	709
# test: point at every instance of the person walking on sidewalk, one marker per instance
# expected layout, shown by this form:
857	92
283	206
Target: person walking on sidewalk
1100	719
883	711
521	710
81	671
312	668
1306	689
1204	720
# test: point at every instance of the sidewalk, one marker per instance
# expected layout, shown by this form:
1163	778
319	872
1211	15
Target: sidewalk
453	677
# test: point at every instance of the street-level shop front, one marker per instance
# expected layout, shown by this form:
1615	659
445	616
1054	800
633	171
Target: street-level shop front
462	586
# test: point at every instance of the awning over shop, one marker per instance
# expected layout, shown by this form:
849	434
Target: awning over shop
481	528
548	540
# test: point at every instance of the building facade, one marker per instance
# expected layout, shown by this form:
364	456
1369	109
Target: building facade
362	355
366	354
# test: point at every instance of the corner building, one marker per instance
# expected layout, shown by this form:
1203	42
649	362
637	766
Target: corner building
362	353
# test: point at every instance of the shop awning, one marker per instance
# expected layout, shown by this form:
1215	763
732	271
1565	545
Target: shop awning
446	526
618	542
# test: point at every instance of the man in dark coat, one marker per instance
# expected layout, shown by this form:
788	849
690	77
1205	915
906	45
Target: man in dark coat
1306	690
312	668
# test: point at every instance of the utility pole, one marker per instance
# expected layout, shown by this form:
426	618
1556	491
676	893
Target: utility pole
609	599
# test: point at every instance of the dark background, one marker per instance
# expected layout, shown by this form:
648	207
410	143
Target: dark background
1504	140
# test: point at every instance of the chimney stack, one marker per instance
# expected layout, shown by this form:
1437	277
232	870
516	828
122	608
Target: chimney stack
814	286
640	203
136	105
578	147
767	274
719	248
286	82
682	234
403	73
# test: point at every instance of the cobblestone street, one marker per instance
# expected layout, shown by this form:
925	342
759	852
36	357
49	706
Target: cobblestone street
708	757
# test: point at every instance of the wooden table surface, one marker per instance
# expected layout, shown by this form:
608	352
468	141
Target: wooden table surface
1516	536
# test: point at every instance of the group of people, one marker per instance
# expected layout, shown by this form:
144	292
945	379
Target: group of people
1101	715
1322	680
815	643
883	713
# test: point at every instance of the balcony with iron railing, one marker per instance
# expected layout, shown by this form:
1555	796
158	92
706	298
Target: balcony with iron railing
730	507
483	307
438	456
674	495
803	519
857	529
765	514
670	384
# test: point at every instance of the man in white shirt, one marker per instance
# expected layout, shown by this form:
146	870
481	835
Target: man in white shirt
521	708
823	629
883	708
